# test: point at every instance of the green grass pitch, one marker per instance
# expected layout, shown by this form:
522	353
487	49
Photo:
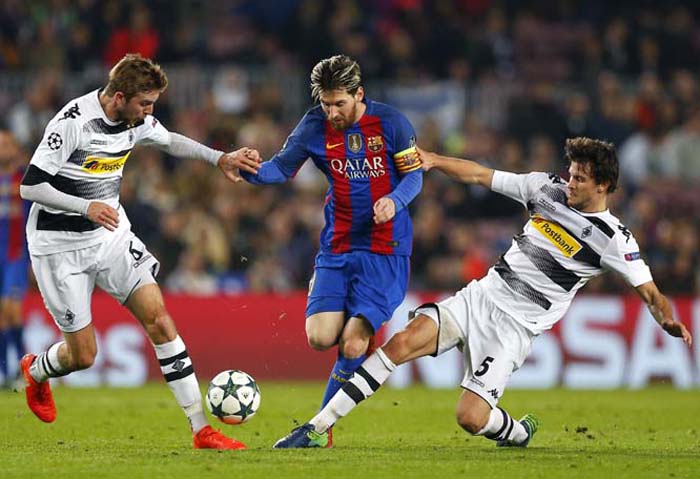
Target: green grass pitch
131	433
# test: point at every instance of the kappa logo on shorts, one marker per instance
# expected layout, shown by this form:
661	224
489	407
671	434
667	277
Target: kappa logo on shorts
493	392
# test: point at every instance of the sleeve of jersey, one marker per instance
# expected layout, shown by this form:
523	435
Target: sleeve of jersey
407	158
407	189
153	133
520	187
286	162
61	138
624	257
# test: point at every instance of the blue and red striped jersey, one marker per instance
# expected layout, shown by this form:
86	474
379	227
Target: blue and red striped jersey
362	164
13	217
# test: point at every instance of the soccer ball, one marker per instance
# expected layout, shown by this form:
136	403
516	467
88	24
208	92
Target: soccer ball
233	397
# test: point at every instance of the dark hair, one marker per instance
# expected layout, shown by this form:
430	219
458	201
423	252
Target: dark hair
135	74
339	72
599	155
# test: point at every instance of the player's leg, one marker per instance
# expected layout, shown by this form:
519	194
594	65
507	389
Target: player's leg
418	339
66	288
352	346
376	285
479	418
4	334
147	305
14	291
326	307
4	324
126	270
323	329
496	347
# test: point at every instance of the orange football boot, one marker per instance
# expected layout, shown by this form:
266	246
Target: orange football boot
39	397
210	438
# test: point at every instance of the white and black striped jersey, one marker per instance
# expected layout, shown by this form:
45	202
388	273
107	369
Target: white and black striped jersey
559	250
85	153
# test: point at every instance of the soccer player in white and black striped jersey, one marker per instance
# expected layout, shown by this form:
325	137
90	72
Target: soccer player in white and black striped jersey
570	237
79	236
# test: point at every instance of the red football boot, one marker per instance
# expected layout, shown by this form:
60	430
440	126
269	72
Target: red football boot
39	397
210	438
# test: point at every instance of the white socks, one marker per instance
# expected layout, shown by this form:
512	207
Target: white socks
502	427
46	365
365	382
177	369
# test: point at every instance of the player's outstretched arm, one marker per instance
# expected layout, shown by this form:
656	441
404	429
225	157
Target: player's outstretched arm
245	159
466	171
661	310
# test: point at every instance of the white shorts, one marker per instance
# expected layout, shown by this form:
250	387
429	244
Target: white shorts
66	280
494	345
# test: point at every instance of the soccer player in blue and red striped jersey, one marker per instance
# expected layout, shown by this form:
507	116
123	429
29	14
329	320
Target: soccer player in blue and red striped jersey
14	260
367	152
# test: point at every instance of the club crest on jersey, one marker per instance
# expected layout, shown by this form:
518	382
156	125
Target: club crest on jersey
375	143
355	142
556	235
99	166
587	231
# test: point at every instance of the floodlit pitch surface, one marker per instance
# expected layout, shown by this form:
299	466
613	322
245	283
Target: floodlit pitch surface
129	433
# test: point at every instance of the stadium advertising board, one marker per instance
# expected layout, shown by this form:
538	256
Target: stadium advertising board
603	342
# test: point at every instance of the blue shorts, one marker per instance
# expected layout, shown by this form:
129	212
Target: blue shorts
13	278
360	283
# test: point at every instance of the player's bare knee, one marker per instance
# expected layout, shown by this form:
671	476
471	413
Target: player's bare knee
470	421
319	339
319	342
353	347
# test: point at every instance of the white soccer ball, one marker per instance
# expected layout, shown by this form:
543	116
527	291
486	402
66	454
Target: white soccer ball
233	397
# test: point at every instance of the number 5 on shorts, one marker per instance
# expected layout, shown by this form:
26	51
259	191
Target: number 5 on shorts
485	365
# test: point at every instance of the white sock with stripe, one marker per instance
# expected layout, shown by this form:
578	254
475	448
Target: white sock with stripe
177	369
502	427
46	365
365	382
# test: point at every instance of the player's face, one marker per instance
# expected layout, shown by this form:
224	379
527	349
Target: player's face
137	107
582	192
341	108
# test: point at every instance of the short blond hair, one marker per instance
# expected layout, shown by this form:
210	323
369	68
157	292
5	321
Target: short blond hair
135	74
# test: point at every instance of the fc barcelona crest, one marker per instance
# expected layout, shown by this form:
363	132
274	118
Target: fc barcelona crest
355	142
375	143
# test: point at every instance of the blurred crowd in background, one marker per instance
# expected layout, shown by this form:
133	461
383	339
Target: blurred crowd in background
504	83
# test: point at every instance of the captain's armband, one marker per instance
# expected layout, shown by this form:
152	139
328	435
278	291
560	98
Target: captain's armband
407	160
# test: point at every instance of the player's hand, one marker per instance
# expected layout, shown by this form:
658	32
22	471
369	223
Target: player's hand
427	159
246	159
676	329
103	215
384	210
